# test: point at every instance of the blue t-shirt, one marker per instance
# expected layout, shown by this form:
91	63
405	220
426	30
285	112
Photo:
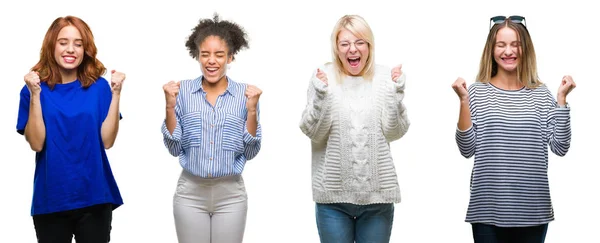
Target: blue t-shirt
72	170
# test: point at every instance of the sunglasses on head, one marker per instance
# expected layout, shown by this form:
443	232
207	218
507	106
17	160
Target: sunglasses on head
500	19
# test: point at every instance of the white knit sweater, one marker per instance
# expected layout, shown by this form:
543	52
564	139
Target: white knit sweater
350	125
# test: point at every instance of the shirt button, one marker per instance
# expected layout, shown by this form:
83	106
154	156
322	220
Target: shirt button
211	142
210	158
209	175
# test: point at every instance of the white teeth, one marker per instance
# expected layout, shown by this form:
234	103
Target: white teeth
69	59
353	58
212	69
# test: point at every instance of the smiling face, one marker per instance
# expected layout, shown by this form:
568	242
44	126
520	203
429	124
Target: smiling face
352	51
214	57
68	51
507	50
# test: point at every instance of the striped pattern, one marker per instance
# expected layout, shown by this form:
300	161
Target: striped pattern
350	125
212	141
510	136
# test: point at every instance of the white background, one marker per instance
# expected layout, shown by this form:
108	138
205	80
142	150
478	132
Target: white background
437	41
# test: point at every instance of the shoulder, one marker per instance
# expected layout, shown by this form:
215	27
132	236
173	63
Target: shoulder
328	68
188	84
101	83
477	86
238	87
24	91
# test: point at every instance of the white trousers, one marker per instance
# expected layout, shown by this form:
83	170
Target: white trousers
210	210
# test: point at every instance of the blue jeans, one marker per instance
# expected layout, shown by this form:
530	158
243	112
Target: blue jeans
349	223
485	233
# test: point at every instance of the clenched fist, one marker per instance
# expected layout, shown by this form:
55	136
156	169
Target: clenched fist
396	72
322	76
567	84
116	81
171	90
460	87
252	93
32	80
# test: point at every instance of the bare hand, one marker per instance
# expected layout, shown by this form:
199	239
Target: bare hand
322	76
567	84
396	72
171	90
460	87
32	80
116	81
253	94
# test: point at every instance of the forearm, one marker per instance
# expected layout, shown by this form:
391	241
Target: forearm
315	122
110	126
35	130
171	119
464	118
252	122
395	121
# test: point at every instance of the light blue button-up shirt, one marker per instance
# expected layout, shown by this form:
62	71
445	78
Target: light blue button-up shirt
212	141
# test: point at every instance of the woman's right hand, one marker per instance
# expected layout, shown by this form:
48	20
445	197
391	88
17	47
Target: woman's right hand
171	90
322	76
460	87
32	80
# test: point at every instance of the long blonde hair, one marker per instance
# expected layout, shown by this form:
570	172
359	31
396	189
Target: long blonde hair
359	28
527	67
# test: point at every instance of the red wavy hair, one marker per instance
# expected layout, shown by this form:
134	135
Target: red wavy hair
90	68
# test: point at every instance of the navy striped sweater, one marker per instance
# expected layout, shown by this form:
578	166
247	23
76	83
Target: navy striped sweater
510	136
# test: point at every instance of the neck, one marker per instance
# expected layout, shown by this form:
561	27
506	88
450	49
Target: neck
506	80
68	76
218	87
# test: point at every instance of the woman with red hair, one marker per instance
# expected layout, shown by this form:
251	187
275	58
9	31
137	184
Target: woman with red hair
69	115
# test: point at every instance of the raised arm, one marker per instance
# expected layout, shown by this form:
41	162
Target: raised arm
253	131
316	121
395	122
31	109
110	125
466	132
171	128
559	119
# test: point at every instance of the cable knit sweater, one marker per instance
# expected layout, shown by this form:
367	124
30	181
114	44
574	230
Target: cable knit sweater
350	125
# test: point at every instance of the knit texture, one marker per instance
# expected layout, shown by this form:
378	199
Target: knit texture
350	125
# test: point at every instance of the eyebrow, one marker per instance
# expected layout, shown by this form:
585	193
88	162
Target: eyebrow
504	42
59	39
209	51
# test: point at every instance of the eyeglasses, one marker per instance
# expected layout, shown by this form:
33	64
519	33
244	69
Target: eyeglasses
345	45
500	19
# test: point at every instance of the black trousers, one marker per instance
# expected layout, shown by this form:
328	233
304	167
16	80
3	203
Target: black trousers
88	225
484	233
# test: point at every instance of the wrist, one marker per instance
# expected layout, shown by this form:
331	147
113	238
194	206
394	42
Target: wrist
562	100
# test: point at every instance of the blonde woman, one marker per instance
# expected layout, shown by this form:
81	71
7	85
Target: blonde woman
508	118
354	110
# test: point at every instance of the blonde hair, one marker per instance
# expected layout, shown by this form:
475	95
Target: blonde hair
527	67
359	28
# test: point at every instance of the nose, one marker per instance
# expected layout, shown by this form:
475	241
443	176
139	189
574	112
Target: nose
70	48
508	51
352	47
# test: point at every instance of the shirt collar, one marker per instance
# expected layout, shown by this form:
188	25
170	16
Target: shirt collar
231	86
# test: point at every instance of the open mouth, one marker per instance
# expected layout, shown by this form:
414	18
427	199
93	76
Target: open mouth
509	60
212	70
354	61
69	59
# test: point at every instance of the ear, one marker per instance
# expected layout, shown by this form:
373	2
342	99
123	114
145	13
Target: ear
229	59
